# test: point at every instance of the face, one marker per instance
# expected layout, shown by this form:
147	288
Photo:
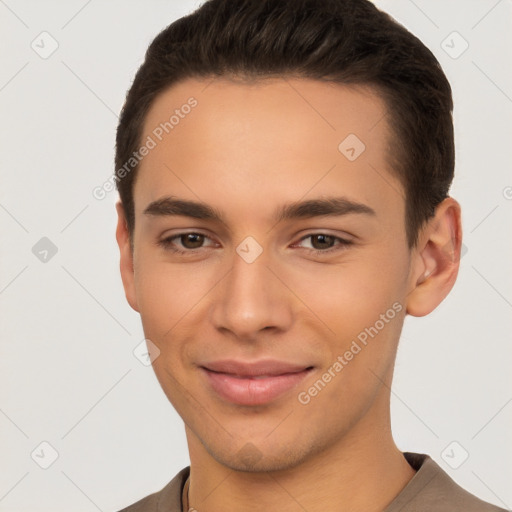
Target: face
270	264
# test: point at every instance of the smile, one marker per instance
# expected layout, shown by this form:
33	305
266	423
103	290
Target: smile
253	383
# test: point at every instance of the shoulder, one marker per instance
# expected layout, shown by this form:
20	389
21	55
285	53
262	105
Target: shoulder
167	499
432	489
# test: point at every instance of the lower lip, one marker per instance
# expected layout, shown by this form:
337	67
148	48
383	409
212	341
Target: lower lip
252	391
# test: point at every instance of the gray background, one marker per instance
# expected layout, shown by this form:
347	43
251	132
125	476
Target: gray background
68	375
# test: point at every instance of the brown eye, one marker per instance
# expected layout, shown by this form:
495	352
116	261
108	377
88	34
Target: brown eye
192	240
323	244
320	242
191	243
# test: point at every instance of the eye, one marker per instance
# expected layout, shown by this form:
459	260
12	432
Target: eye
185	242
318	243
322	243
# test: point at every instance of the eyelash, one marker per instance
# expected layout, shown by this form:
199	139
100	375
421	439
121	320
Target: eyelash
340	243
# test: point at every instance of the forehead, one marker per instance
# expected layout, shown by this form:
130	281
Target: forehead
325	109
280	136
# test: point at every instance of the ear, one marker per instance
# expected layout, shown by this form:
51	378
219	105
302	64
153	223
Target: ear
435	259
126	254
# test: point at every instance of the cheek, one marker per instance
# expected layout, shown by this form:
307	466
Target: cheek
173	302
351	296
166	293
165	297
155	299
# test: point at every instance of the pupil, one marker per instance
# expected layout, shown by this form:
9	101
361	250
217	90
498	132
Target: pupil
324	241
192	240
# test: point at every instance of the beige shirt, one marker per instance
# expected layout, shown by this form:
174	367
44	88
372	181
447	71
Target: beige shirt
429	490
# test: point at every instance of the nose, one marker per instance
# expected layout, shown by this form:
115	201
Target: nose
251	299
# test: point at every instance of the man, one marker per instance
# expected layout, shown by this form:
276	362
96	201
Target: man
283	168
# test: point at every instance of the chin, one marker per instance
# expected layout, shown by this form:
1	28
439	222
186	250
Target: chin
256	458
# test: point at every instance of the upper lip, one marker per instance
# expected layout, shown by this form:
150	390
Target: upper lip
270	367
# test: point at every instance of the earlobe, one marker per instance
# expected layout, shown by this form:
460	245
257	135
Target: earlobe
436	259
126	257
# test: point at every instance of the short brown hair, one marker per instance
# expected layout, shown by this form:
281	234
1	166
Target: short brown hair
341	41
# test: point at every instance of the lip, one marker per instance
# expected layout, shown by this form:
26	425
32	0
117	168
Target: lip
253	383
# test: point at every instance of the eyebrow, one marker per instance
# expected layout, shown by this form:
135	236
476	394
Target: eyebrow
331	206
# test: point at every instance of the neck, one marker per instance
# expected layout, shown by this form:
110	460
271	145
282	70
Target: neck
362	471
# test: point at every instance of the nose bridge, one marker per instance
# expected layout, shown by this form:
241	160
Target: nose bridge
251	298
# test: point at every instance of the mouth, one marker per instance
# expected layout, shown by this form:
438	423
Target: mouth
254	383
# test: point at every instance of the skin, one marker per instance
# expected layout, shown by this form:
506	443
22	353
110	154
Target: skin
246	150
